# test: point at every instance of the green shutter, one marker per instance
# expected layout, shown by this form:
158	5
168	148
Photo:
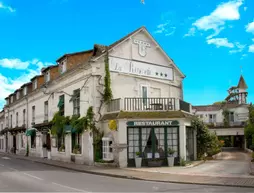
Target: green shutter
30	132
61	102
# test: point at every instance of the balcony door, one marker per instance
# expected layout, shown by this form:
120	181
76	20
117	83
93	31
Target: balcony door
144	95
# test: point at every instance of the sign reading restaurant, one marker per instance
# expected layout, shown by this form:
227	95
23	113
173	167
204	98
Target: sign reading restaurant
153	123
140	68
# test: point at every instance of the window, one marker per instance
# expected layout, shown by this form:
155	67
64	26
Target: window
200	116
17	95
231	117
11	99
11	121
107	153
24	117
2	126
62	66
61	105
33	140
76	139
212	118
46	111
17	119
35	84
144	94
61	142
33	114
47	76
76	102
6	122
22	140
25	91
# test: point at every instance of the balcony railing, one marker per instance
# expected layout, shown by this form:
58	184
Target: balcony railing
223	125
148	104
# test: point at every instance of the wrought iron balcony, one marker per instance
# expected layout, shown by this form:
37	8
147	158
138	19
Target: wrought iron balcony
148	104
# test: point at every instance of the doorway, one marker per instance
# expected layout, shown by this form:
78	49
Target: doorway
14	144
189	144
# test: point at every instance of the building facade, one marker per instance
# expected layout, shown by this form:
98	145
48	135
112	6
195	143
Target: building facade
146	107
227	118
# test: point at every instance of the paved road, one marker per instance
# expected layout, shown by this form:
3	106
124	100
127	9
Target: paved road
26	176
230	162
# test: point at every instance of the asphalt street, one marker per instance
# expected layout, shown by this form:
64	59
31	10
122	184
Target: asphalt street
26	176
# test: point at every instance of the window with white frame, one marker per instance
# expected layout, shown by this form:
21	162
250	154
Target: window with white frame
47	76
231	117
107	153
11	99
25	91
144	94
6	122
24	116
33	114
212	118
2	126
17	95
62	66
22	140
35	84
17	119
46	111
76	102
11	121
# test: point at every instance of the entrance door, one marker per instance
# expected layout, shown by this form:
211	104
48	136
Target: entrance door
152	143
14	144
189	144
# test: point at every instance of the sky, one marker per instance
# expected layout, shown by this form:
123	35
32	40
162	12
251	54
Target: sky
212	42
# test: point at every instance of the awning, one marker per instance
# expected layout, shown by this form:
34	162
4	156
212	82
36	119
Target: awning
61	102
30	132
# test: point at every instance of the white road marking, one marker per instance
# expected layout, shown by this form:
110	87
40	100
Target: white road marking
75	189
32	176
6	158
13	169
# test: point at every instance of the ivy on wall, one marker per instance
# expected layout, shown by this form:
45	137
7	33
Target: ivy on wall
107	96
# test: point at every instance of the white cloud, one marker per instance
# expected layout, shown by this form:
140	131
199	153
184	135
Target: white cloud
240	48
243	56
224	12
8	8
220	42
191	32
251	48
164	28
253	39
14	63
9	85
250	27
245	8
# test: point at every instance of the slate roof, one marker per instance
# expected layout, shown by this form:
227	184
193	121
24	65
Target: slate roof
242	84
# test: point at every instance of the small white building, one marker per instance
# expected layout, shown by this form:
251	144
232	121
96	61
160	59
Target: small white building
227	119
2	127
147	109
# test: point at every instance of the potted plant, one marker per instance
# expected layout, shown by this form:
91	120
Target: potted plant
77	149
138	160
62	148
171	158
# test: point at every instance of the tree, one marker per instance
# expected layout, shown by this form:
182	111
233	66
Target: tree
207	142
249	128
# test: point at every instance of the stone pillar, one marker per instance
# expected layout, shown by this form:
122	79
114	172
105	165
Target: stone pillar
182	140
122	139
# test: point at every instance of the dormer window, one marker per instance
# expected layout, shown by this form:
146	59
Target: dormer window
47	76
7	101
17	96
62	66
11	99
25	91
35	84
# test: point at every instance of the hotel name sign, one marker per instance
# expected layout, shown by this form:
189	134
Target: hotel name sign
153	123
139	68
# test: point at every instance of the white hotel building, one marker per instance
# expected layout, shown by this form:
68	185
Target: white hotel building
147	106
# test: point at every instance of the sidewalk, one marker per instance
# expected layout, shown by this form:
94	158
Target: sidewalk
132	173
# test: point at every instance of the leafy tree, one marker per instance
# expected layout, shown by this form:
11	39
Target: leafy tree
207	142
249	128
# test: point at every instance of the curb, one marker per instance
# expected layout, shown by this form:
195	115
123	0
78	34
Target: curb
132	177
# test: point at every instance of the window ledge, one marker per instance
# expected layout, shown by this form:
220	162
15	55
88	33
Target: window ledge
79	155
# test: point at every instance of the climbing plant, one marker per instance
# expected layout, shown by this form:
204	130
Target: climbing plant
249	128
107	95
225	114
